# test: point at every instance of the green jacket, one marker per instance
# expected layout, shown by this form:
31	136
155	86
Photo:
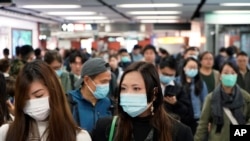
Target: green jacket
244	81
206	118
66	82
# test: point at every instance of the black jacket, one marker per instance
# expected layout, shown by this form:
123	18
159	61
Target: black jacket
181	132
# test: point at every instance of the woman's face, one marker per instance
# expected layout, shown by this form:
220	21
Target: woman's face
228	70
191	65
207	60
133	83
37	90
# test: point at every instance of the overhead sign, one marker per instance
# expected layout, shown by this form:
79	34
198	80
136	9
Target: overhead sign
77	27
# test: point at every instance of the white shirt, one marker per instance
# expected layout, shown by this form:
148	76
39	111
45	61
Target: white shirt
81	136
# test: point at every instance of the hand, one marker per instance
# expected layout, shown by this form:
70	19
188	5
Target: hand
170	99
11	107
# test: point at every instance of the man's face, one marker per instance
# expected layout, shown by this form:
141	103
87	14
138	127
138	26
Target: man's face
242	61
76	66
149	56
190	53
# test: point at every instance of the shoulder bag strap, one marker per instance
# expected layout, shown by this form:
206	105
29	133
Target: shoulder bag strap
230	116
111	133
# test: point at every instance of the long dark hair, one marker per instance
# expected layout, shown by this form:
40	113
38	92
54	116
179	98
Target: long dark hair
61	125
160	121
197	79
4	112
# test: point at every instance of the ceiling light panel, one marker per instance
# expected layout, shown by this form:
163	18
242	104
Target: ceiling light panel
154	12
157	17
159	21
232	12
235	4
152	5
71	13
51	6
86	18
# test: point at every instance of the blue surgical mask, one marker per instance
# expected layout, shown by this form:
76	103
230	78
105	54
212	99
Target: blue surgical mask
125	59
194	56
134	104
101	90
59	72
228	80
166	79
191	72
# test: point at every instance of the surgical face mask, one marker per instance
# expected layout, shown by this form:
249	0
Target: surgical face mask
194	56
134	104
191	72
125	59
228	80
101	90
59	72
37	108
166	79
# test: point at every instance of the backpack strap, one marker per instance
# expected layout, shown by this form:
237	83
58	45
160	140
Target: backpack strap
71	76
112	129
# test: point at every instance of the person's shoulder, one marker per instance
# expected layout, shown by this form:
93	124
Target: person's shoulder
3	131
182	132
83	135
245	95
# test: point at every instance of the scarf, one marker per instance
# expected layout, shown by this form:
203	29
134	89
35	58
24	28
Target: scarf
34	132
234	102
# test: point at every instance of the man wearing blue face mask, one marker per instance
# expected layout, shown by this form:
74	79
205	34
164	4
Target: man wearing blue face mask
90	102
175	99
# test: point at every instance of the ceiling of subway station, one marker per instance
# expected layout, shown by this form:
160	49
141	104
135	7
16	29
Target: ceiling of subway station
110	11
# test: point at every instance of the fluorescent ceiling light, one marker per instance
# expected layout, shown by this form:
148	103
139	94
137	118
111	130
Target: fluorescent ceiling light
149	5
232	12
51	6
235	4
86	18
159	21
95	21
72	13
153	12
157	17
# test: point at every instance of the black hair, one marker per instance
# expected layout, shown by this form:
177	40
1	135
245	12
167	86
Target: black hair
149	47
25	51
6	51
242	53
137	47
197	79
222	49
190	49
17	51
37	52
75	54
230	51
4	65
168	62
51	56
163	51
113	56
203	54
231	64
123	50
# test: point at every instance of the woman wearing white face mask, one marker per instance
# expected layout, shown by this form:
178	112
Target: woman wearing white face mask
41	110
141	114
196	90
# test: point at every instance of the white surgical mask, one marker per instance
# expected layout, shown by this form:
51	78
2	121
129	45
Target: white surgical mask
37	108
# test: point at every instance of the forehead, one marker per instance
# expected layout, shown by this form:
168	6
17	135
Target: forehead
191	63
242	57
35	85
129	78
104	75
167	69
78	59
227	68
149	51
207	55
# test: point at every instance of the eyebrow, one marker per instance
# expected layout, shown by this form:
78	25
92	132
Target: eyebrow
36	91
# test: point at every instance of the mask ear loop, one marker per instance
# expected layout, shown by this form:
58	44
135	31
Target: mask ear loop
152	107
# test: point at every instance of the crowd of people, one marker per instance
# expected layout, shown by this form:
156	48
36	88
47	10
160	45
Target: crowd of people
144	95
